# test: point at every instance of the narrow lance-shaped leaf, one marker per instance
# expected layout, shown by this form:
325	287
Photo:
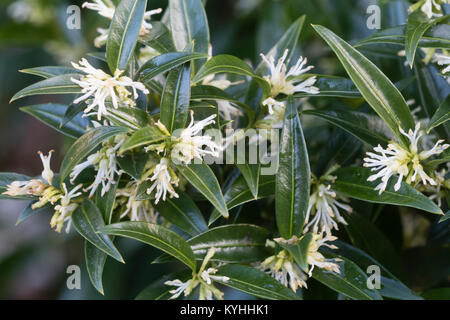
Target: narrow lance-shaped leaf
255	282
367	128
95	262
441	115
87	220
184	213
50	71
225	63
418	23
156	236
53	114
351	281
204	180
374	86
293	176
124	32
189	25
166	62
175	99
56	85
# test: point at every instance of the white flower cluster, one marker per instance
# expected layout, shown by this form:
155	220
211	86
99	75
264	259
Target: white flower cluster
323	208
285	82
283	268
204	277
47	193
407	163
105	163
101	86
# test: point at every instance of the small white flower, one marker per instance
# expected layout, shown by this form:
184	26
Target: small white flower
316	259
189	144
101	8
404	162
163	178
431	8
442	60
100	85
227	111
136	210
64	210
107	11
324	209
276	111
283	268
436	192
47	173
204	278
105	163
289	83
33	187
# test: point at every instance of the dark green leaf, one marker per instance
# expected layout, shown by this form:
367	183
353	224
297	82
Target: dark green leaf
166	62
255	282
184	213
369	129
95	262
156	236
374	86
53	114
293	176
204	180
175	99
441	115
50	71
56	85
87	220
123	33
189	26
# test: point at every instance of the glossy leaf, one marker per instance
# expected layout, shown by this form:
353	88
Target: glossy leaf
53	114
189	26
95	262
351	281
255	282
159	38
204	180
293	176
143	137
175	99
225	63
367	128
239	193
418	23
353	183
156	236
133	163
56	85
299	250
391	287
251	174
88	220
374	86
28	212
441	115
184	213
166	62
123	33
436	37
50	71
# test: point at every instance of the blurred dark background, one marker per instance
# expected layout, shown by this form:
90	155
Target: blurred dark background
33	258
